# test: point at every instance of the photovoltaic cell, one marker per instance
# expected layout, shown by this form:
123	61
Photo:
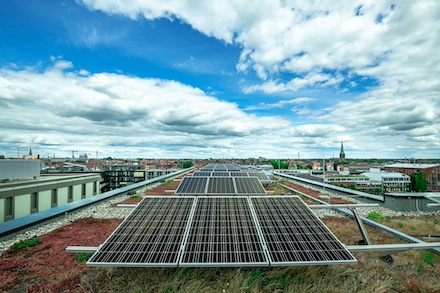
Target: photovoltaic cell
221	185
294	235
223	233
202	174
261	176
223	174
249	185
192	185
151	235
239	174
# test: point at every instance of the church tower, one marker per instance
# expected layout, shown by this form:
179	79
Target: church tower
342	153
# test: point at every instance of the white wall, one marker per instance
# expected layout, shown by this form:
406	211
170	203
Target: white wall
22	205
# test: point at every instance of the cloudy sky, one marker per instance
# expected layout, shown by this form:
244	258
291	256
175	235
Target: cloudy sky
220	79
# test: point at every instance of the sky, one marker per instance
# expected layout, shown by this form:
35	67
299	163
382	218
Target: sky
220	79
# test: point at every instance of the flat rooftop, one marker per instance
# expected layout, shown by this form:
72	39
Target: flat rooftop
43	178
413	166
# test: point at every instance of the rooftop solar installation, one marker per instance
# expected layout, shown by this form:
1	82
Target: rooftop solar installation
294	235
151	235
223	233
192	185
249	185
221	185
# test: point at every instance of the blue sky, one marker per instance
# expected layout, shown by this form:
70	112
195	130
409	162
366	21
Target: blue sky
223	79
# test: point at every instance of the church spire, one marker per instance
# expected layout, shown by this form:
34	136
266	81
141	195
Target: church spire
342	153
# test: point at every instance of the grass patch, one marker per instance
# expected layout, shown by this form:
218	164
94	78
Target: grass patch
83	256
27	243
377	217
428	258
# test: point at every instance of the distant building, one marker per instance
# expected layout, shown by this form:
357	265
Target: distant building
19	169
342	153
30	156
430	171
69	167
316	166
389	181
359	182
118	178
83	157
23	191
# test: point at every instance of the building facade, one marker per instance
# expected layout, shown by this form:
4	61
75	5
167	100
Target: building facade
430	171
20	198
389	181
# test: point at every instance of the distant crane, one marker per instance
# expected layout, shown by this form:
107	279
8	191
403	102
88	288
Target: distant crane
73	154
97	152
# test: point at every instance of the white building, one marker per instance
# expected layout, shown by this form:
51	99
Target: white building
390	181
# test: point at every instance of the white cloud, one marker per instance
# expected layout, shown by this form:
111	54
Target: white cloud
62	109
290	46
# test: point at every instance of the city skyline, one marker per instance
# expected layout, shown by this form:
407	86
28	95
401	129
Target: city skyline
224	80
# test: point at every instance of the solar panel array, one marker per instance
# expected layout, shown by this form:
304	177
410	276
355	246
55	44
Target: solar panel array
249	185
221	168
197	185
261	176
192	185
293	233
221	185
221	231
150	236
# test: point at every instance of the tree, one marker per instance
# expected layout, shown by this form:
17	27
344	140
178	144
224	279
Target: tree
187	164
418	182
279	165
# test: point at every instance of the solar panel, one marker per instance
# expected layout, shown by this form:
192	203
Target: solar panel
294	235
216	173
261	176
192	185
202	174
221	185
249	185
151	235
223	233
239	174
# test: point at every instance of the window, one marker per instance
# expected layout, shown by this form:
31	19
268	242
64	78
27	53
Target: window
70	194
9	208
34	202
95	188
83	190
54	198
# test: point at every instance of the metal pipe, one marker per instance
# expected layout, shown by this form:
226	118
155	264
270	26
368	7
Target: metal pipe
81	249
